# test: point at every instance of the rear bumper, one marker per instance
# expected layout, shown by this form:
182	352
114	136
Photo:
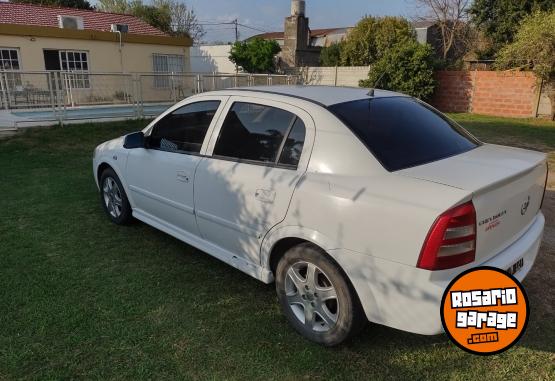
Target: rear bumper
408	298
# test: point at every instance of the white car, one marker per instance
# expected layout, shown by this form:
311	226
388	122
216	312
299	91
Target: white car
360	205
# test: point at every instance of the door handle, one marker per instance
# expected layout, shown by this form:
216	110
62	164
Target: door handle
183	176
265	195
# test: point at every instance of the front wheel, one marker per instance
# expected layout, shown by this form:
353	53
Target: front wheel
113	198
316	298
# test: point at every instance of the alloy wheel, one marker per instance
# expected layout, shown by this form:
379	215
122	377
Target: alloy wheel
311	296
112	197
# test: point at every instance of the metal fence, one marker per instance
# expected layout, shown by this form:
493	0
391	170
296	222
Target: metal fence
60	92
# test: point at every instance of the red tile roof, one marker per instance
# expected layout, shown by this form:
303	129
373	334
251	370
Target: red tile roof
29	14
313	33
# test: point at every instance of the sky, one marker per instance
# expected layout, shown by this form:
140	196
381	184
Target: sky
268	15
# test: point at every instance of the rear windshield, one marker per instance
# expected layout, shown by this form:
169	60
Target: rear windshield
402	132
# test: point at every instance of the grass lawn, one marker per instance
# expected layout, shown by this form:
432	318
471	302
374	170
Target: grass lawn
83	298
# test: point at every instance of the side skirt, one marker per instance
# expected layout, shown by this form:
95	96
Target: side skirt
250	268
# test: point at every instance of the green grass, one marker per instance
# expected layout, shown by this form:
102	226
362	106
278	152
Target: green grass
83	298
538	134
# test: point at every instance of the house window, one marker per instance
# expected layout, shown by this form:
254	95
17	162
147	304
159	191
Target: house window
76	62
9	61
166	63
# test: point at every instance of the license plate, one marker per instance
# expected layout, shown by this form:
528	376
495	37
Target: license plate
516	266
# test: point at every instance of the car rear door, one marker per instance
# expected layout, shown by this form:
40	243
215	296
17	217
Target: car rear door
256	156
160	177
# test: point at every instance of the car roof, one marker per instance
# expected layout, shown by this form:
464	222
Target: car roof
324	95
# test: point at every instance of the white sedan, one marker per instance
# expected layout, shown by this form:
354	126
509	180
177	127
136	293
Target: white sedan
360	205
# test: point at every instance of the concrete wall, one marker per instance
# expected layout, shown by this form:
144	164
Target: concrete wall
332	76
507	93
104	56
211	58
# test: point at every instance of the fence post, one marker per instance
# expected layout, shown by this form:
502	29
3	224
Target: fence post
335	79
9	101
3	89
172	87
199	84
60	97
50	80
140	97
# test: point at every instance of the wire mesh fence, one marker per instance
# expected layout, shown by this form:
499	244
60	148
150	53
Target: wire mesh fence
137	94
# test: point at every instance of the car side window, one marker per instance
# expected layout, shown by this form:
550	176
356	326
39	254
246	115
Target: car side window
184	129
257	133
293	145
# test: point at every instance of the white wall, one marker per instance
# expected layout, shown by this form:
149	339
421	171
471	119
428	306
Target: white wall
211	58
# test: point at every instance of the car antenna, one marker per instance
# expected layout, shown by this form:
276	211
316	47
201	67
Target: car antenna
371	92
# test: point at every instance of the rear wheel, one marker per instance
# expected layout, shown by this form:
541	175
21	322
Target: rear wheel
113	197
316	297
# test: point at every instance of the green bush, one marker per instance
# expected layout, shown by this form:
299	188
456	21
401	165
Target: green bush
407	67
371	37
256	55
331	55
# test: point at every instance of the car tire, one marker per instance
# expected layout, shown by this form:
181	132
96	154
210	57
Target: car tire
114	199
316	296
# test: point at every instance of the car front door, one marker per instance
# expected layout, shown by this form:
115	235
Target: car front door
255	158
161	176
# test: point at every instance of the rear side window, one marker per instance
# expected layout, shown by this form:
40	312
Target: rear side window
257	133
402	132
293	145
184	129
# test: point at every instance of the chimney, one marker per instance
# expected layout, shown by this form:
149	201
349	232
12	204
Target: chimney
298	7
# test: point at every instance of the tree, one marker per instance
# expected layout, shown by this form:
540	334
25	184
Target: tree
499	19
450	17
407	67
372	36
116	6
534	46
331	55
256	55
170	16
184	20
159	16
79	4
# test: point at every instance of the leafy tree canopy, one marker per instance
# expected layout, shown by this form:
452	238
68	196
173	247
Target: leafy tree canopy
407	67
500	19
80	4
256	55
371	37
331	55
158	16
534	45
170	16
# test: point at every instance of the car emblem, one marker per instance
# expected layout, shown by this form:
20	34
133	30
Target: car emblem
525	206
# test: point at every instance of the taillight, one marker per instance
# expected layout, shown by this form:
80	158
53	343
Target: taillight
451	242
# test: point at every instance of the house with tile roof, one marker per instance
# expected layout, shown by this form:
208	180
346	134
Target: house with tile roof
47	38
318	37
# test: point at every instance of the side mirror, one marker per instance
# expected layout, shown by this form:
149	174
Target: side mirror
134	140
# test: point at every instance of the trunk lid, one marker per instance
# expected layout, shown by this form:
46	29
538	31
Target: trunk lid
506	185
